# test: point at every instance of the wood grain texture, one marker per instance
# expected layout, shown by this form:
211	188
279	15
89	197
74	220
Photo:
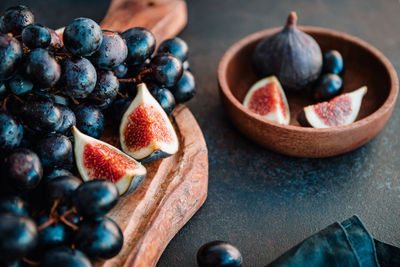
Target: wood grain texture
365	65
175	187
165	18
173	190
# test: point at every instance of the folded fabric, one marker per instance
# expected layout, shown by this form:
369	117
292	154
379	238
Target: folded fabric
341	244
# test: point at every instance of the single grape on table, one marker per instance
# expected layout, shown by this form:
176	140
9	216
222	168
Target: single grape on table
59	90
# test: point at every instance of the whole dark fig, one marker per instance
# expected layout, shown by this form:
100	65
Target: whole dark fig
290	54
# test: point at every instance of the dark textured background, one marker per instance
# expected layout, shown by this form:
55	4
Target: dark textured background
262	202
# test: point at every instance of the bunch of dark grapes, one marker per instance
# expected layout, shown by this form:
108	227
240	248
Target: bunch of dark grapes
50	82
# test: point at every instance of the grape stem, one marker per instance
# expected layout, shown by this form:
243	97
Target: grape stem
62	217
128	80
53	208
70	224
73	209
47	223
4	105
65	220
15	36
76	102
122	95
138	77
31	262
62	54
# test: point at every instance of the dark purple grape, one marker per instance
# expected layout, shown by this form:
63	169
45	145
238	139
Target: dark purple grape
62	188
13	204
23	169
16	18
54	150
186	65
185	89
68	120
82	37
35	36
53	235
153	87
42	68
14	106
102	105
112	51
60	99
165	98
16	263
41	115
65	257
20	85
54	173
219	254
95	198
333	62
2	27
11	132
106	88
18	236
100	238
141	44
3	90
135	70
28	139
10	54
175	46
121	70
89	120
78	78
128	88
166	69
118	109
327	86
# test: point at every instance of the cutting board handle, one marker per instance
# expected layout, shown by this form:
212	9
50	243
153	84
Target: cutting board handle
165	18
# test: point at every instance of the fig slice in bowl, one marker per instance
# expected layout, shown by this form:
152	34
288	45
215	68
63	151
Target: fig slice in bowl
96	159
267	98
338	111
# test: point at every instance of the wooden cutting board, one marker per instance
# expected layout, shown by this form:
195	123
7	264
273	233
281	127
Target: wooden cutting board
175	187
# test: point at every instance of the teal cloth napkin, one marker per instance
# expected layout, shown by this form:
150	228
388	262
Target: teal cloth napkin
341	244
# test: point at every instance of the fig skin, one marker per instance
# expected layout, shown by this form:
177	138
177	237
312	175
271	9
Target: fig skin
301	118
292	55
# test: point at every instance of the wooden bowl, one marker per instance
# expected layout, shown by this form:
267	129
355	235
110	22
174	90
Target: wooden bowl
364	65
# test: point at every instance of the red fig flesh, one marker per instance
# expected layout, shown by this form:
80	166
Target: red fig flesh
98	160
146	133
267	98
339	111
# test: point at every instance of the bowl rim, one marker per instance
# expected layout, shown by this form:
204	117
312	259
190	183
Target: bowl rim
387	105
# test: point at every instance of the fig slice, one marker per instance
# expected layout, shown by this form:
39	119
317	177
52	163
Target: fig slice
267	98
338	111
96	159
146	133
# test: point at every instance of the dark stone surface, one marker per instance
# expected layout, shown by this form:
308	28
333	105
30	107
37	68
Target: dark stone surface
262	202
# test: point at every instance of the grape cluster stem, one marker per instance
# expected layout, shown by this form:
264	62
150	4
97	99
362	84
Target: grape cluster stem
53	218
